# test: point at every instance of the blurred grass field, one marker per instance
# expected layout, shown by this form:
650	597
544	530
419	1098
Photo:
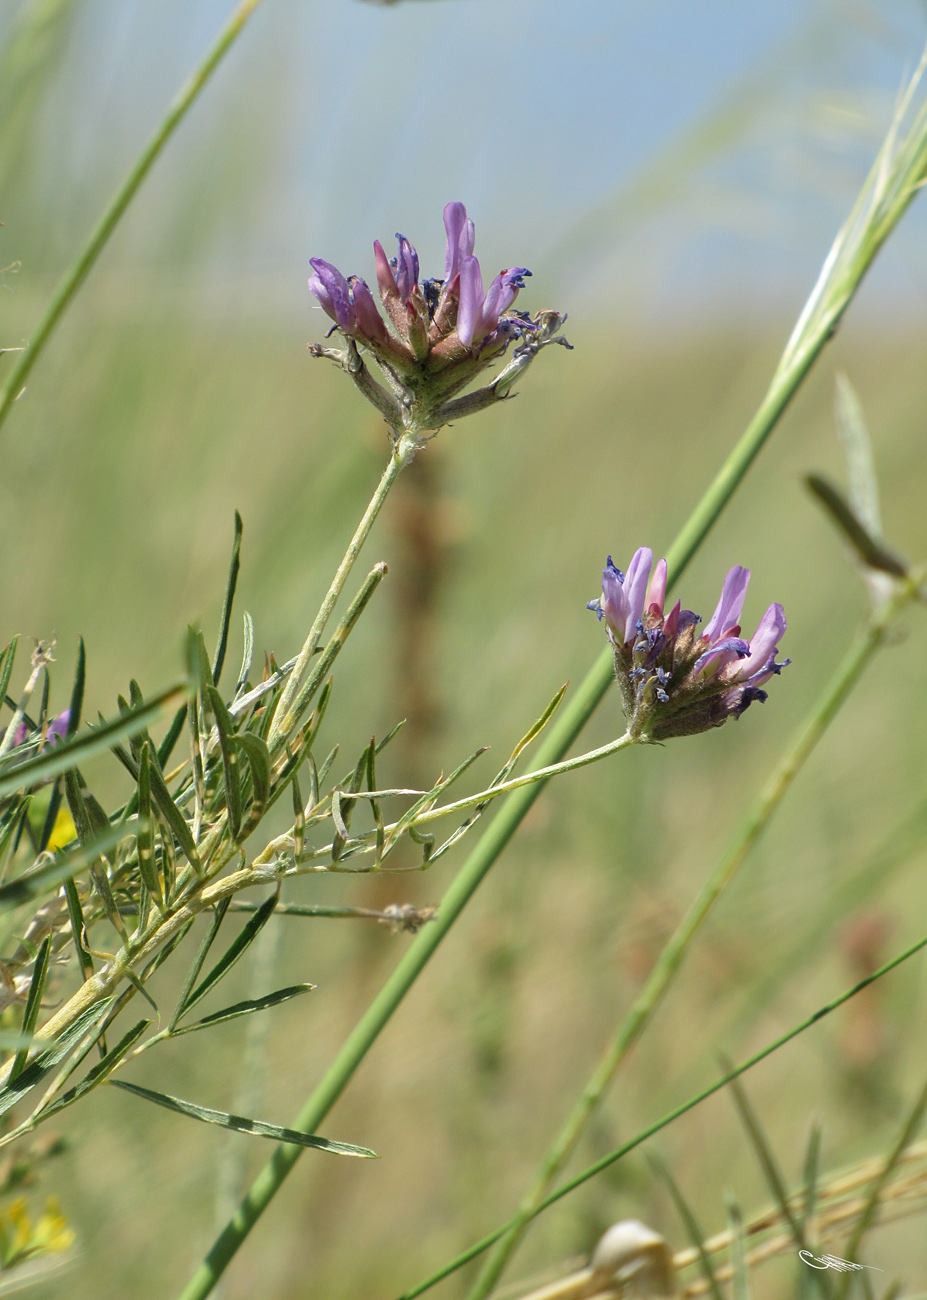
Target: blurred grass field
168	427
167	400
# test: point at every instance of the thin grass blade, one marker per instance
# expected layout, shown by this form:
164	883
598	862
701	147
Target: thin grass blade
245	1008
239	1124
33	1004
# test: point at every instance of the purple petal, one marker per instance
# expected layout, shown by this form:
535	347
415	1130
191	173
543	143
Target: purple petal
636	587
369	320
656	593
406	268
385	278
335	295
58	728
471	300
500	295
731	602
455	223
764	644
614	604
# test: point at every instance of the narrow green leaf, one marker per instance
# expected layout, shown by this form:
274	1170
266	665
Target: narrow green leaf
100	1071
247	654
86	1025
147	866
811	1169
740	1274
326	765
33	1003
870	551
767	1161
71	752
374	804
6	666
242	1125
175	819
390	735
139	987
198	659
136	700
696	1236
218	917
226	729
245	1008
242	941
534	731
77	690
76	915
258	756
234	566
299	818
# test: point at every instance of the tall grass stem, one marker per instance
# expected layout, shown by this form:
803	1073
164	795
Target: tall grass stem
80	268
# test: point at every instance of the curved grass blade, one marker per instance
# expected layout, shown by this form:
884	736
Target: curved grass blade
239	1124
234	566
740	1275
33	1003
80	268
242	941
696	1236
226	730
767	1161
245	1008
70	752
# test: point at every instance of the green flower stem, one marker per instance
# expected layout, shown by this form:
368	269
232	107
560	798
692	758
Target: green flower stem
79	269
591	1171
864	646
285	718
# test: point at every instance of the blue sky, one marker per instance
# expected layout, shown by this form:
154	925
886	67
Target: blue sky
694	154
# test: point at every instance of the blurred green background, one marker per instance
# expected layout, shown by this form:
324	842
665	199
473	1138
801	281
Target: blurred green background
673	175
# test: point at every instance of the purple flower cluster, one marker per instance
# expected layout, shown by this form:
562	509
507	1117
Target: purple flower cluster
675	681
433	326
